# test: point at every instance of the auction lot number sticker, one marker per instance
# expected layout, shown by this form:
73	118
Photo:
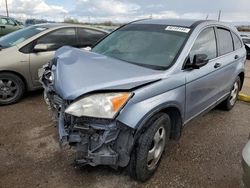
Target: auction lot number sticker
179	29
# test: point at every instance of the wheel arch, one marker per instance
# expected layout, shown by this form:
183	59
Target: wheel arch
242	77
175	115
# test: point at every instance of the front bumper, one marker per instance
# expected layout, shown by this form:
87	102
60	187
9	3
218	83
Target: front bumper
246	165
97	141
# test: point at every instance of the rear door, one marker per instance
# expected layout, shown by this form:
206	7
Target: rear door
55	39
88	37
202	85
229	55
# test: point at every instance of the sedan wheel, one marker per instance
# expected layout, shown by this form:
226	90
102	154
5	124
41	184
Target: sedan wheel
11	88
8	90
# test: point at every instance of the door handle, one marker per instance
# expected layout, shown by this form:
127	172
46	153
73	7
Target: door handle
217	65
2	27
236	57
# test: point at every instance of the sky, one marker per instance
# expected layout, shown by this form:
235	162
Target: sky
121	11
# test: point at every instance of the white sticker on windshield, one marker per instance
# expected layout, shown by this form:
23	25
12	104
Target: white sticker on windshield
179	29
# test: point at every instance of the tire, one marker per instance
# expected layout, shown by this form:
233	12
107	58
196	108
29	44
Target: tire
12	88
229	103
141	166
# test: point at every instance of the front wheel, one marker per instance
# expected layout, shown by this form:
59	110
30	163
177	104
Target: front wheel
229	103
146	156
11	88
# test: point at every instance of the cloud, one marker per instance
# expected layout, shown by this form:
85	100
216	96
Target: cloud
104	8
122	11
32	8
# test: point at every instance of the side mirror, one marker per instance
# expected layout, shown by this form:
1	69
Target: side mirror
41	48
199	60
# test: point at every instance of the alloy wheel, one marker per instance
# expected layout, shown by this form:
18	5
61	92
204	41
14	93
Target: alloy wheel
157	148
8	89
234	93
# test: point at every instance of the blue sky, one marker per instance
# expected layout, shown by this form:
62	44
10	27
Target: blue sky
128	10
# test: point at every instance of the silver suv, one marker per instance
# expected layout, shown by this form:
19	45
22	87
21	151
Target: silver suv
121	103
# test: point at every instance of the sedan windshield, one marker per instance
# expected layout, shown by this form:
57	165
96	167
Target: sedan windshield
152	46
246	41
19	36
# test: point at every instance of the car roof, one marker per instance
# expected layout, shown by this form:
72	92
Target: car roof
62	25
174	22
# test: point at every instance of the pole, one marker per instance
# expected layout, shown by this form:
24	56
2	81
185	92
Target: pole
219	15
7	10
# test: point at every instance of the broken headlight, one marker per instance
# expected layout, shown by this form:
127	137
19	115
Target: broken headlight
101	105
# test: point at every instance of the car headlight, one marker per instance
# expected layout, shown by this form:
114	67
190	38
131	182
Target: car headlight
101	105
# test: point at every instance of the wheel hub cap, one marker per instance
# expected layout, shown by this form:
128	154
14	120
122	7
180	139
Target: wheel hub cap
156	149
234	93
8	89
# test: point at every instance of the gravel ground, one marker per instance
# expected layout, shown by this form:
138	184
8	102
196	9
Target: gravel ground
207	155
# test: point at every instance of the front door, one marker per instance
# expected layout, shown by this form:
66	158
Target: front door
54	40
203	84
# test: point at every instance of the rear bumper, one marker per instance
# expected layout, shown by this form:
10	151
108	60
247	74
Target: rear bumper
246	165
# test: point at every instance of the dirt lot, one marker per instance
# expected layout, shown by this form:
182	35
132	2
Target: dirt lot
207	155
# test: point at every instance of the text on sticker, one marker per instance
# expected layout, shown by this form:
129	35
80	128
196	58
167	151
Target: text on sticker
179	29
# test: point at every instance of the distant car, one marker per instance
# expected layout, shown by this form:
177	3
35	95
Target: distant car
24	51
245	36
120	103
246	41
8	25
246	165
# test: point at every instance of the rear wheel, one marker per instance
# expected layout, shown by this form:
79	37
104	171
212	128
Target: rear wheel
229	103
11	88
146	156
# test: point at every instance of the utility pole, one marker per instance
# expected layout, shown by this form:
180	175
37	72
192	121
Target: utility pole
219	15
7	11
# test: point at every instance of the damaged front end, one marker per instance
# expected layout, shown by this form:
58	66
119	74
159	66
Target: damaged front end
98	141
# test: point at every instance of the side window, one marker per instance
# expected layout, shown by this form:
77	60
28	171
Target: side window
205	44
88	37
11	22
59	38
225	41
4	21
237	42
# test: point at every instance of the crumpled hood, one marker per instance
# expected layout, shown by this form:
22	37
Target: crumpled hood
78	72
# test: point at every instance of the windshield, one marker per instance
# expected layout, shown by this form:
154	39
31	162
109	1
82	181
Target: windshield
247	41
147	45
19	36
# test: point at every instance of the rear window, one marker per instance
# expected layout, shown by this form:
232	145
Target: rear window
225	41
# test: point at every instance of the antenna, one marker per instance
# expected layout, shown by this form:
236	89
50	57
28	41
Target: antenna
219	15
